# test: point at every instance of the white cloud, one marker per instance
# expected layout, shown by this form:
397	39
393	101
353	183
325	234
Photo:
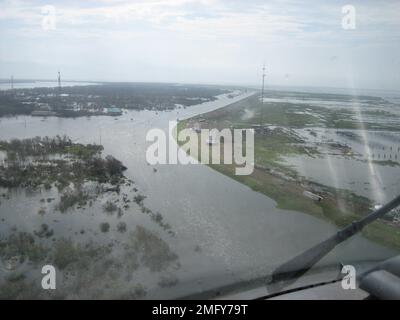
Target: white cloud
210	39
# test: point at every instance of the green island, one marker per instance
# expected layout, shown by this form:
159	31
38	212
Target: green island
44	161
272	123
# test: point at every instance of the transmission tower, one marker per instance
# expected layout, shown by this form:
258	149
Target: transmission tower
263	81
262	97
59	82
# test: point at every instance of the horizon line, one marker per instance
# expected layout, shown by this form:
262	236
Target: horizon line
5	80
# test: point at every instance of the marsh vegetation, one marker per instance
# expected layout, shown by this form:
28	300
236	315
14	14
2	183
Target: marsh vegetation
68	178
287	125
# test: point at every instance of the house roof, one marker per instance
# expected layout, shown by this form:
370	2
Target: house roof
113	109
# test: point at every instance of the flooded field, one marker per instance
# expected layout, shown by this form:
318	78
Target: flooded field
371	169
357	139
320	144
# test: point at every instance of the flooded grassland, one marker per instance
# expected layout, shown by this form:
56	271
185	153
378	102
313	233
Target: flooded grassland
345	150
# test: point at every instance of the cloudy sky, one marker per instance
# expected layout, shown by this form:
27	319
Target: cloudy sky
203	41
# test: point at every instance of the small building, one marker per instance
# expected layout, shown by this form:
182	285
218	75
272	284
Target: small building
43	113
312	196
43	110
113	111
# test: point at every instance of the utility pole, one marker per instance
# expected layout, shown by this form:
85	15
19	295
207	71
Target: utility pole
12	82
262	97
59	82
262	88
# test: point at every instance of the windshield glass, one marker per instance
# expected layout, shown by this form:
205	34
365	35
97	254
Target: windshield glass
163	149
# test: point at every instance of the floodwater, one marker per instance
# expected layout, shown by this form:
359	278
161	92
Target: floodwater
377	182
372	169
223	231
365	172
